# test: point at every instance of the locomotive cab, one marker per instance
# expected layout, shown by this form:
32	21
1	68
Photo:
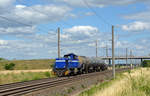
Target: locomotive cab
66	65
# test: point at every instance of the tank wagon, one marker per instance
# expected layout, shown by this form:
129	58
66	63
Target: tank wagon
72	64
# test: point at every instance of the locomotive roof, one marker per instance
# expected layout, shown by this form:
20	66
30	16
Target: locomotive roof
70	54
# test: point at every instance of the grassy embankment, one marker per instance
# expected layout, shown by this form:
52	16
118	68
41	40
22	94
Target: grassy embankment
28	64
131	83
13	76
23	76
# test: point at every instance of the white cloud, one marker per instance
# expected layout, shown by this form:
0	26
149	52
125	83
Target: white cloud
17	30
89	13
35	14
142	16
6	5
64	36
78	39
85	31
3	42
45	46
22	18
82	38
136	26
91	44
20	6
139	47
130	45
41	13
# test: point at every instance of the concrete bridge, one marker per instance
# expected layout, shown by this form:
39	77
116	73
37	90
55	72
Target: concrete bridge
124	58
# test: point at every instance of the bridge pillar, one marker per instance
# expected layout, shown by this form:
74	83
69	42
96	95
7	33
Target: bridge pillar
141	60
109	61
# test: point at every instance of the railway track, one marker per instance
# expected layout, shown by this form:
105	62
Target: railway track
21	88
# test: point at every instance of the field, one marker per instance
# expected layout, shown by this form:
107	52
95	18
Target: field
28	64
23	76
131	83
26	70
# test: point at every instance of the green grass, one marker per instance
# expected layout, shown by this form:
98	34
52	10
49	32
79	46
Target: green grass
23	76
29	64
136	83
139	86
102	85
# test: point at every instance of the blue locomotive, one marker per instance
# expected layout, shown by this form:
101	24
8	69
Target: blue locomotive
72	64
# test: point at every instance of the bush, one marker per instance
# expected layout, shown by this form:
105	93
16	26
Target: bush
47	74
146	63
10	66
52	65
2	59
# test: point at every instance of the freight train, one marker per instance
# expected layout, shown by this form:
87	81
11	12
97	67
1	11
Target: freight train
72	64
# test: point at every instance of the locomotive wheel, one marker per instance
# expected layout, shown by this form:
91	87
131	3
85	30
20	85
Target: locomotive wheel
79	71
60	73
103	67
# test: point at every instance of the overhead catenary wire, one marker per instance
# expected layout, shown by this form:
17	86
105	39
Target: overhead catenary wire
105	21
99	16
5	18
21	1
45	14
18	22
15	21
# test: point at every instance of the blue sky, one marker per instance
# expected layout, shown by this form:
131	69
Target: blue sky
28	27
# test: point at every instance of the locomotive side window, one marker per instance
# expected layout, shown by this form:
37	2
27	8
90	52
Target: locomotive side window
69	57
66	56
75	57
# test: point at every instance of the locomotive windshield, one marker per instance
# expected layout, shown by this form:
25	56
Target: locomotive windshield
71	56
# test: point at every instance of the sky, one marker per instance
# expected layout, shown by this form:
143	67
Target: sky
28	28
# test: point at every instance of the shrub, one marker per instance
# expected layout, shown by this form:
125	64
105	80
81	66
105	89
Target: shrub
47	74
83	86
52	65
1	59
146	63
36	77
10	66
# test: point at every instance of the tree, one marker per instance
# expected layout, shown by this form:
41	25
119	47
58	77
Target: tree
2	59
146	63
10	66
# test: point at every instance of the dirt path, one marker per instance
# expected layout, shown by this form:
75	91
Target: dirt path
19	71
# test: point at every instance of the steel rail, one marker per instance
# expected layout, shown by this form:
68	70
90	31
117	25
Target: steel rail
26	87
4	86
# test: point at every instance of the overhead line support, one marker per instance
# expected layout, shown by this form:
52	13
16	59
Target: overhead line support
113	57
